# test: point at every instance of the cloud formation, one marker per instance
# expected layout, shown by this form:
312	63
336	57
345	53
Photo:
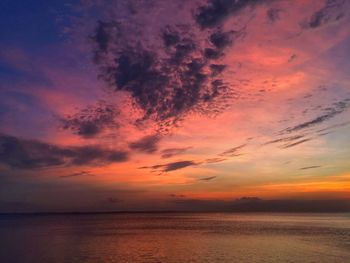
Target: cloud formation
310	167
82	173
92	120
214	12
331	11
290	145
207	178
147	144
305	131
330	112
165	81
232	152
214	160
32	154
168	153
168	167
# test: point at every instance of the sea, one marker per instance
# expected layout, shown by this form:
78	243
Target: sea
175	237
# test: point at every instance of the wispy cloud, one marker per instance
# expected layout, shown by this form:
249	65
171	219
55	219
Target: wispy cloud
285	139
171	166
167	153
337	108
78	174
208	178
215	160
339	125
147	144
310	167
232	152
290	145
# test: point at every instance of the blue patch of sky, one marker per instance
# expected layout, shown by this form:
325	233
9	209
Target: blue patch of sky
31	24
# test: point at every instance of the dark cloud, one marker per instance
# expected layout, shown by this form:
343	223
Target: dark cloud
331	11
217	69
32	154
101	36
215	12
286	139
289	145
336	109
147	144
170	37
167	153
207	178
211	53
310	167
82	173
221	39
171	166
92	120
233	151
178	165
153	167
165	81
94	155
274	14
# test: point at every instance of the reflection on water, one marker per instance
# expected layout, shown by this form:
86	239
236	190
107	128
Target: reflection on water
176	238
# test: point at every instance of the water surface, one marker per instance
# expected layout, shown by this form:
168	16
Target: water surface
176	237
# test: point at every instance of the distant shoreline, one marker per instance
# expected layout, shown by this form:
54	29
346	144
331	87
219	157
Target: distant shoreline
243	205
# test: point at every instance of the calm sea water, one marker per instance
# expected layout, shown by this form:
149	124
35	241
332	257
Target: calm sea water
220	237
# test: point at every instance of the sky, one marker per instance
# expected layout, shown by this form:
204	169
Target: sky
134	105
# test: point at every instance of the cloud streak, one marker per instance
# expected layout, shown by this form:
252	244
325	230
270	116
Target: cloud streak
32	154
337	108
310	167
77	174
168	167
208	178
232	152
168	153
147	144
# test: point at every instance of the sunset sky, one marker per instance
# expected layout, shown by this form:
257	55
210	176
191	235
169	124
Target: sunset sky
166	105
